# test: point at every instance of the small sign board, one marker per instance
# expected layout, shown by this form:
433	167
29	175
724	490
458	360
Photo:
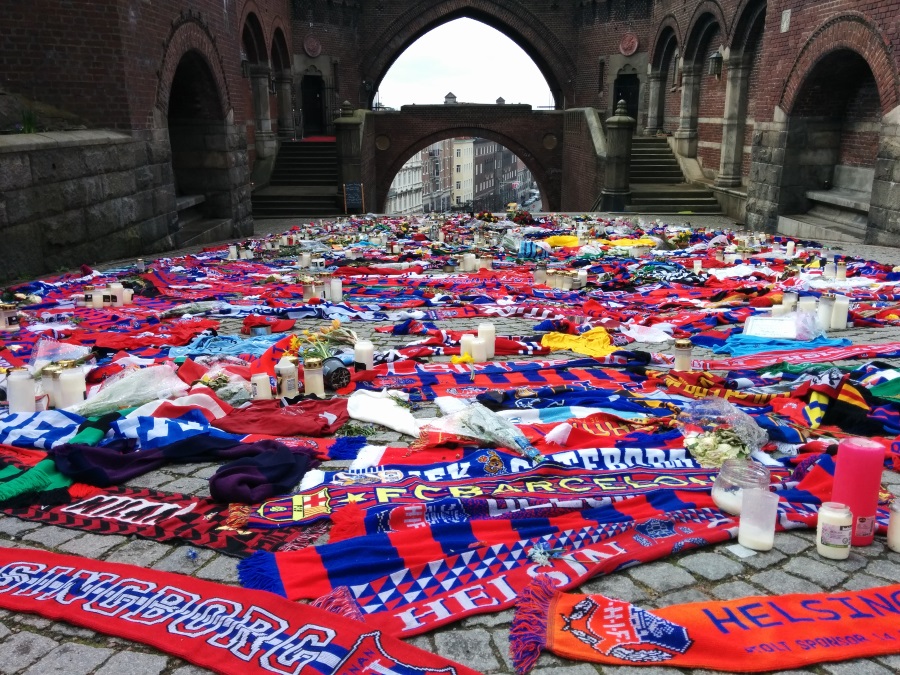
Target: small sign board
354	198
778	327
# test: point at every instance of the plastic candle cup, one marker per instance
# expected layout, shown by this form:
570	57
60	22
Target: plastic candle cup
759	510
363	355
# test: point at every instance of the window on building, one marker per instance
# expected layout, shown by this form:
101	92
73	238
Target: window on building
459	168
458	152
459	200
458	185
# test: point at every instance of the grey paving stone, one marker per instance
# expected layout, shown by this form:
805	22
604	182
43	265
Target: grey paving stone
191	670
33	621
472	647
134	663
70	659
776	582
14	526
628	670
488	620
681	597
857	667
422	642
734	589
188	486
823	574
661	576
181	469
222	568
853	563
4	631
765	559
205	472
874	550
891	661
615	586
141	552
884	569
573	668
92	545
72	631
791	543
862	581
50	535
154	479
712	566
23	649
184	560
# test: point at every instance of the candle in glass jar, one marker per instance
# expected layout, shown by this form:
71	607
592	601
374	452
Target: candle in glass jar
789	250
840	312
363	355
260	386
479	350
20	391
313	378
833	530
487	332
72	387
465	344
337	289
683	350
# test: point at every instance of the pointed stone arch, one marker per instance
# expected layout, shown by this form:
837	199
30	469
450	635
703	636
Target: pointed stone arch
510	18
708	16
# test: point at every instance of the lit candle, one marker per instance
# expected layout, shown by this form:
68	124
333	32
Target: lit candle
465	344
363	355
479	350
487	332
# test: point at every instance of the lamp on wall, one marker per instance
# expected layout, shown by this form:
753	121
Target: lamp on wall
245	64
714	62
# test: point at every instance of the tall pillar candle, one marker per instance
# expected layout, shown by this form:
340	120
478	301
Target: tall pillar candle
488	333
840	312
337	289
465	344
857	481
72	387
479	350
20	391
789	249
363	355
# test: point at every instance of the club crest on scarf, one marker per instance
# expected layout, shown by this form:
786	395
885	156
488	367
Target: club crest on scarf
368	656
624	631
307	506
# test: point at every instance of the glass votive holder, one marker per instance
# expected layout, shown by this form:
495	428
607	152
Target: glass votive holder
759	511
735	476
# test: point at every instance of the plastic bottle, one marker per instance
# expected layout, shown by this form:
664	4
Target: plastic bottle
286	374
857	480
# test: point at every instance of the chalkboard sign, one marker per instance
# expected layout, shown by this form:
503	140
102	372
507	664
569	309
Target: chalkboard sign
354	199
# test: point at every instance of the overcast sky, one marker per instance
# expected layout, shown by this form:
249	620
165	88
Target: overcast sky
476	62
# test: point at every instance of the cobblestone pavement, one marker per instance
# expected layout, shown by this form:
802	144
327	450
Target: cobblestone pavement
36	646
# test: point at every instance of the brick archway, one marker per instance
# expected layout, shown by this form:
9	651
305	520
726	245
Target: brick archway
191	35
847	31
537	140
707	17
523	27
667	41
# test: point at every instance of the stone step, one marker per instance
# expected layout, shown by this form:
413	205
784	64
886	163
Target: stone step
686	209
653	179
204	231
675	199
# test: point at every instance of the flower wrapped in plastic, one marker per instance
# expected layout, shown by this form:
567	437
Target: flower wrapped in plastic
716	430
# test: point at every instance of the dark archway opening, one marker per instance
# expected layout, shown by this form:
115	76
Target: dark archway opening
312	95
198	138
627	88
832	142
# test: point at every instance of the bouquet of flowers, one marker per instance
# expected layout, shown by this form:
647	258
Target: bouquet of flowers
712	448
321	342
487	217
523	218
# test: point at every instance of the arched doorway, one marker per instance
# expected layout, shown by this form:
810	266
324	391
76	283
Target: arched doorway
832	143
312	96
627	88
284	85
196	124
255	64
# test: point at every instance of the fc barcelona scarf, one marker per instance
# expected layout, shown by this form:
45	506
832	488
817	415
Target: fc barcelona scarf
748	635
229	630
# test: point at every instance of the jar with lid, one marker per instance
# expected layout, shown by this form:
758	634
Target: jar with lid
50	383
313	377
683	350
540	274
735	476
841	270
286	377
9	317
72	389
834	528
893	538
308	287
20	390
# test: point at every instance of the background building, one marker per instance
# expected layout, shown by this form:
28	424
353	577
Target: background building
405	195
463	176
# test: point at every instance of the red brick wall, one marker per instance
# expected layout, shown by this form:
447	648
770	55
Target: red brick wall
859	137
712	107
754	111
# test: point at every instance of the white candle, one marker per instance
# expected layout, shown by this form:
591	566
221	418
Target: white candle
834	527
286	374
260	386
97	298
807	304
841	271
20	391
337	289
127	296
314	381
486	262
840	312
755	537
363	355
305	259
582	278
790	249
790	299
698	266
465	344
824	312
487	332
479	350
72	388
468	262
441	236
893	537
118	296
232	253
830	271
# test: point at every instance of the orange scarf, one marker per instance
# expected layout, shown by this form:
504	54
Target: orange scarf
745	635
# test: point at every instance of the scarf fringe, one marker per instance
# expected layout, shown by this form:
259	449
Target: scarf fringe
346	447
84	491
35	479
528	632
260	571
347	523
341	602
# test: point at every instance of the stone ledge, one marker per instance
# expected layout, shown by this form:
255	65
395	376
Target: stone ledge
854	200
53	140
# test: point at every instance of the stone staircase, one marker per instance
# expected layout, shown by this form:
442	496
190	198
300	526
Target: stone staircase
304	182
657	184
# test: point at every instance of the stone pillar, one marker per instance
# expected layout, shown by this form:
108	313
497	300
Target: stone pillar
884	210
266	143
733	122
348	132
686	135
619	130
284	84
655	97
